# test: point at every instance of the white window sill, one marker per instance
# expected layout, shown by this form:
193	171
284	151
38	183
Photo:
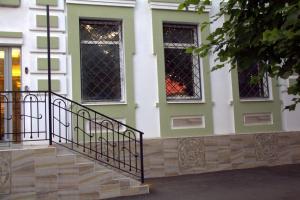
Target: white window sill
257	100
104	103
186	102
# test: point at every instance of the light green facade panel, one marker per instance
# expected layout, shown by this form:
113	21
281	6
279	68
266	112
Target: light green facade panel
169	110
42	64
10	3
41	21
5	34
43	85
268	106
42	42
122	110
47	2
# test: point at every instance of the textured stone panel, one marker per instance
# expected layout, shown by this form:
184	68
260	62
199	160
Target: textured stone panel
266	147
191	153
5	172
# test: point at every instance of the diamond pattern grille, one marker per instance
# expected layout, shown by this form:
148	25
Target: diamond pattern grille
100	60
182	69
252	90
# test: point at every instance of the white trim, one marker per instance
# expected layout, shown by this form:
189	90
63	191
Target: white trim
257	115
174	6
11	41
123	3
202	125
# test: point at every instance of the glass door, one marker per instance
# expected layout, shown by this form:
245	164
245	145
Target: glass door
10	84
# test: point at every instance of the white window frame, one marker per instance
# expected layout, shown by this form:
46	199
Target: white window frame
196	61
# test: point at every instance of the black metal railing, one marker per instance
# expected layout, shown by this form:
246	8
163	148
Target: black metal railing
97	136
25	117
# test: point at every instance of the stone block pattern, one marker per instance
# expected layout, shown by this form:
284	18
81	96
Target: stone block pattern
190	155
52	173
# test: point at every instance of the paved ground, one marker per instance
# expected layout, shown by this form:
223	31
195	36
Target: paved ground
276	183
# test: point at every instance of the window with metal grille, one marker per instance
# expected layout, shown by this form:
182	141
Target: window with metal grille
101	74
248	89
182	69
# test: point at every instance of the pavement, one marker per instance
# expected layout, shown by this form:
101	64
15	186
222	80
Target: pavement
265	183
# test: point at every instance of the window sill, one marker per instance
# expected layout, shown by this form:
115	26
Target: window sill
256	100
104	103
186	102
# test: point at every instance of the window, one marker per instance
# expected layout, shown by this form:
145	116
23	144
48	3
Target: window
182	69
101	74
252	90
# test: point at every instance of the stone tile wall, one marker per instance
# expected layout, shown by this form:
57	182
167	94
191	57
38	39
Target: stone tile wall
178	156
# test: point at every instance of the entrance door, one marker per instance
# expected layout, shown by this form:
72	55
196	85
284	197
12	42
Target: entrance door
10	85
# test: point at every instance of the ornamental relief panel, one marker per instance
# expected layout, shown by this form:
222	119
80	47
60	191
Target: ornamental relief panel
5	175
191	153
266	147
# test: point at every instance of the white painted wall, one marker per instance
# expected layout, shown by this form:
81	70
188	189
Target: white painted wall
145	72
221	87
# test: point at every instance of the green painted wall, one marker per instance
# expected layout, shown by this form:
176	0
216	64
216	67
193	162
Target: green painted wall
43	85
46	2
6	34
41	21
241	107
42	42
76	12
42	64
10	3
168	110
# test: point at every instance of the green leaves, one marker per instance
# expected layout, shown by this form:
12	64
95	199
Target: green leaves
265	32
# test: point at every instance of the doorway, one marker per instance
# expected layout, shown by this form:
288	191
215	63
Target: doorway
10	87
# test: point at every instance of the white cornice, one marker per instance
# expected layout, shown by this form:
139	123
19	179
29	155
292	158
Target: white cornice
173	6
119	3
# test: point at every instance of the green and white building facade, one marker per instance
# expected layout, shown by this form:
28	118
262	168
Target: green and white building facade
126	59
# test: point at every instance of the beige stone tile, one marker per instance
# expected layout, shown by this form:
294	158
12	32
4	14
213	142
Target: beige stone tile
109	190
23	196
22	163
23	184
68	194
46	183
47	196
5	165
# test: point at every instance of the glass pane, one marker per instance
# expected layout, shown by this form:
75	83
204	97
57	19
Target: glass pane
179	33
99	31
179	73
2	61
100	72
252	90
100	60
16	86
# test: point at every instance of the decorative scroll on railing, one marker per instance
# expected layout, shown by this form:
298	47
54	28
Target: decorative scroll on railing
23	116
97	136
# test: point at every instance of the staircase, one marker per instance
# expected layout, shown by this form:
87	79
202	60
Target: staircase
95	181
91	156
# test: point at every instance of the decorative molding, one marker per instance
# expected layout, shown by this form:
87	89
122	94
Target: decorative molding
119	3
173	6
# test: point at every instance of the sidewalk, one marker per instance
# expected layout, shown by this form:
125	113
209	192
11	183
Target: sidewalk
274	183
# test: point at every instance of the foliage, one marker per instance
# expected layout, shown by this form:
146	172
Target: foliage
266	32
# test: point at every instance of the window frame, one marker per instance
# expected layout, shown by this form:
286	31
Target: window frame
196	59
269	96
121	62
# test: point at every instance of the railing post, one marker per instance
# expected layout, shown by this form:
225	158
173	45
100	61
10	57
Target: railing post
49	75
142	157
